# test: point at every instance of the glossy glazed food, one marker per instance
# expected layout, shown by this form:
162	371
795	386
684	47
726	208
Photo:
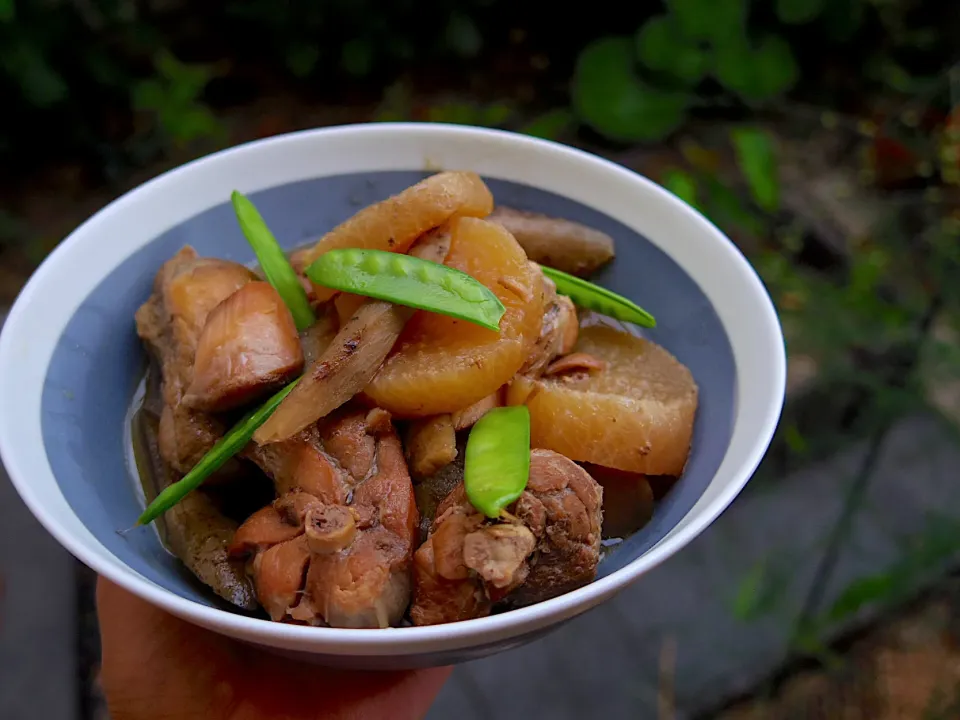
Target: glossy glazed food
351	503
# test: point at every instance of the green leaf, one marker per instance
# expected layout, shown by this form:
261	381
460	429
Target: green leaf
662	47
843	18
610	98
862	592
495	114
463	36
40	83
302	58
797	12
147	95
717	20
184	81
551	125
762	590
356	57
748	592
728	211
776	68
190	123
682	184
467	113
397	103
759	73
8	11
795	439
758	163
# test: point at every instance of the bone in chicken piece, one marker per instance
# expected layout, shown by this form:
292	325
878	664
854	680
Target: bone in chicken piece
336	549
552	546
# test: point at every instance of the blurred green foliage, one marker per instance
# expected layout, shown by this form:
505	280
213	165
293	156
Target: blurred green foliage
642	88
114	81
173	99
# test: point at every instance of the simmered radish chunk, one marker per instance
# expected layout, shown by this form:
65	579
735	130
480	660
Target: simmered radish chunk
395	223
635	415
441	364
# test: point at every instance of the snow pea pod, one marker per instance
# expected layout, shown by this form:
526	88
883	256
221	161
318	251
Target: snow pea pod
410	281
273	262
497	459
228	446
593	297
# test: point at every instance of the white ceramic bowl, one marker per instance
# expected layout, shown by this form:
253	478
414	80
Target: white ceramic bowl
69	357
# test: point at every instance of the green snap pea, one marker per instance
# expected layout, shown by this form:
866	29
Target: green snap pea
593	297
228	446
410	281
497	460
272	260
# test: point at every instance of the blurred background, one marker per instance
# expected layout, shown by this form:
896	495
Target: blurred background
822	135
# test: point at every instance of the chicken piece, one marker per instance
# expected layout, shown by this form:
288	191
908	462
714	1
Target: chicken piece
186	289
497	553
469	564
575	363
278	576
569	503
448	540
355	514
447	584
350	441
369	584
187	435
431	444
438	600
558	330
302	463
199	534
467	418
556	242
195	529
283	520
249	347
330	529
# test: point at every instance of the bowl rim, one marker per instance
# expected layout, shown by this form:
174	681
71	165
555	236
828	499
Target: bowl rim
393	641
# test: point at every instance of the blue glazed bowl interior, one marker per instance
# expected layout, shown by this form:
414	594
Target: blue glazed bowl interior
99	360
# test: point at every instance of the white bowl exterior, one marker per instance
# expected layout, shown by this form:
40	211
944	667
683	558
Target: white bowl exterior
91	252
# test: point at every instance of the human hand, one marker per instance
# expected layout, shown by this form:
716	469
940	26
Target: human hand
157	666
